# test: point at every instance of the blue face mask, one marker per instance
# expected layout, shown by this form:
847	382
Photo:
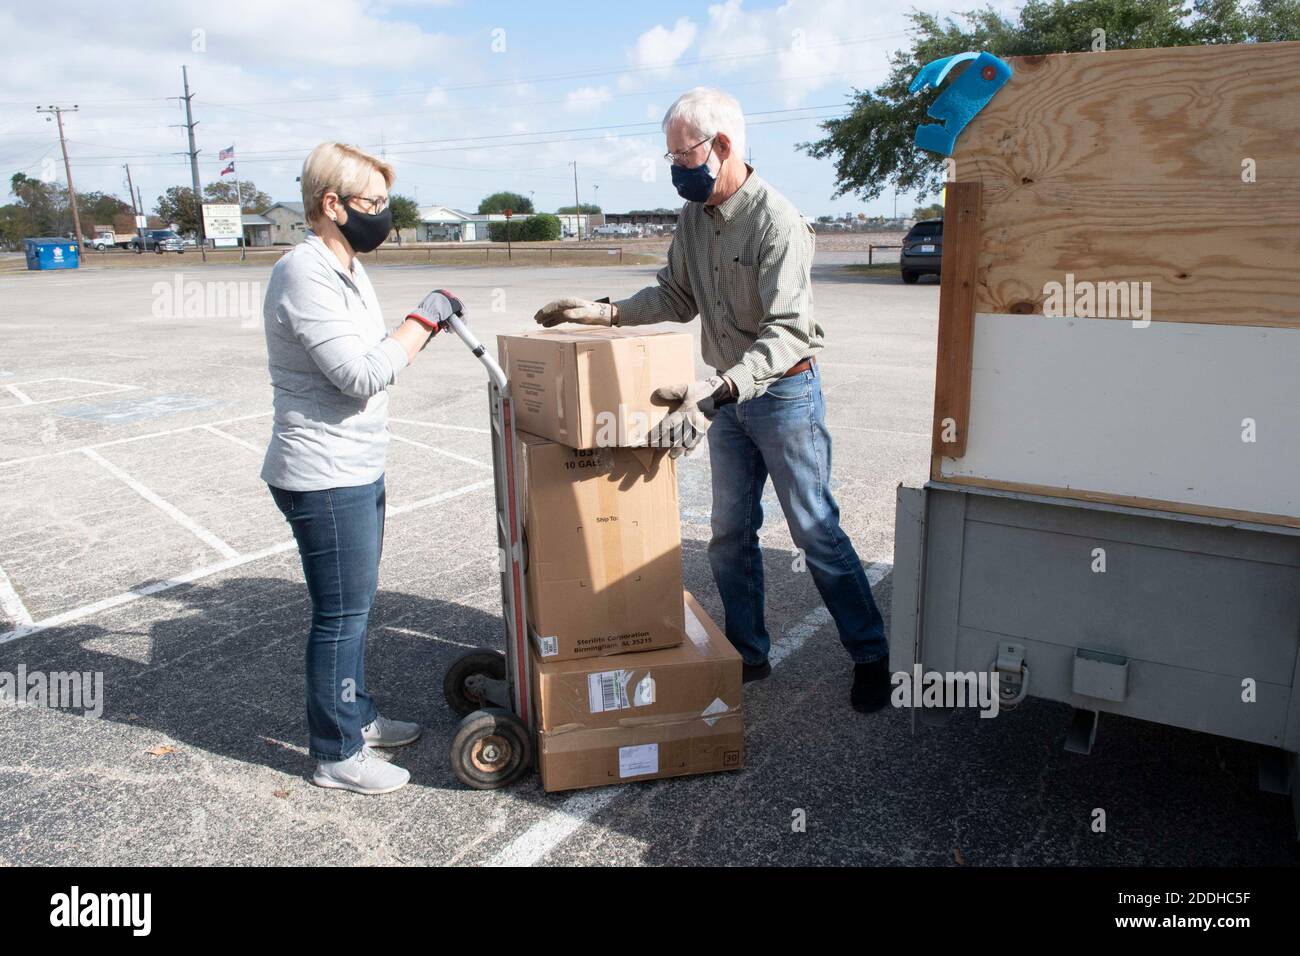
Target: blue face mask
694	184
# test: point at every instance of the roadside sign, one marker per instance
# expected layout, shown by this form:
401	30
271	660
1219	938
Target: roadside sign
222	221
141	222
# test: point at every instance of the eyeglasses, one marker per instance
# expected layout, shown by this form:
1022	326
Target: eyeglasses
680	157
372	204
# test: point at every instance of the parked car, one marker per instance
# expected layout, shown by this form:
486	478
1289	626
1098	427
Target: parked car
922	250
159	240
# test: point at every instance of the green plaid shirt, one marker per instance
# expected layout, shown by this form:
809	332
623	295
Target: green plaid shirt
744	267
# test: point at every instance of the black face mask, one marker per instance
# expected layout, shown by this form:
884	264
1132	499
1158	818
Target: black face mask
366	232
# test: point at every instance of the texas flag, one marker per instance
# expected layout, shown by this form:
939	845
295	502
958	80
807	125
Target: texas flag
227	153
229	169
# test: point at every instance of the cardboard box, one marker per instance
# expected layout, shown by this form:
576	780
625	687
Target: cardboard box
592	388
643	716
604	549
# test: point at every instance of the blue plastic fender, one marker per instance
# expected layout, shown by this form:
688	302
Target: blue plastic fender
958	104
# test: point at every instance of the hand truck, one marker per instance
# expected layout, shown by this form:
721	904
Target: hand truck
493	746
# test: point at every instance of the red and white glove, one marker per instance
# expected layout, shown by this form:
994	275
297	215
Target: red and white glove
435	309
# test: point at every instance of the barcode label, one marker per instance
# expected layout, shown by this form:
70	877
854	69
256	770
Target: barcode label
608	691
547	646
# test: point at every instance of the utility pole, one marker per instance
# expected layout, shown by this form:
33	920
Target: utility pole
577	204
58	112
136	210
194	160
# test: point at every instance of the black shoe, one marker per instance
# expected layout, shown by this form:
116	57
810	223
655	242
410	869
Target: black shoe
755	672
871	686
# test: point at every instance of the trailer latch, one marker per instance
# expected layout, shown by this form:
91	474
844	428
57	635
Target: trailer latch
1012	673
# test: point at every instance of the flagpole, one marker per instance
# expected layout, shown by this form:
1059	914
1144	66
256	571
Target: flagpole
239	200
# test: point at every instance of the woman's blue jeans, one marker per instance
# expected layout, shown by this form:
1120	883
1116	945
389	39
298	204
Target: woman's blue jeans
782	434
340	535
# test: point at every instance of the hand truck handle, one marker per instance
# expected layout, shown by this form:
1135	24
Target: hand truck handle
480	352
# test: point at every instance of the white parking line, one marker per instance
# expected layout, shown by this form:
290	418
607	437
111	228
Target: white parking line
182	519
449	454
130	438
25	400
12	605
458	428
126	597
532	846
233	438
18	393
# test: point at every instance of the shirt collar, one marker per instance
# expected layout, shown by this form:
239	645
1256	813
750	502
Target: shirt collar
741	199
318	244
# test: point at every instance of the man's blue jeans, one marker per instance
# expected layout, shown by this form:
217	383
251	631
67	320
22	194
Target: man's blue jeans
340	535
782	433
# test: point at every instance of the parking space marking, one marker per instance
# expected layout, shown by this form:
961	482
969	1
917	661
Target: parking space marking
450	454
129	439
533	845
26	401
425	502
458	428
11	603
127	597
182	519
213	429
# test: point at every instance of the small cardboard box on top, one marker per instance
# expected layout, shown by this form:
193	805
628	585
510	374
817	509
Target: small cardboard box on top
641	716
592	388
604	549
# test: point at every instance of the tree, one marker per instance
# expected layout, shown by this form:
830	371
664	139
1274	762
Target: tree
406	214
177	206
39	210
932	211
872	146
98	208
540	228
500	202
585	209
254	200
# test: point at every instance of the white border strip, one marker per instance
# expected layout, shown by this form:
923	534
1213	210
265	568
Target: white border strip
213	429
449	454
182	519
11	603
18	393
131	438
127	597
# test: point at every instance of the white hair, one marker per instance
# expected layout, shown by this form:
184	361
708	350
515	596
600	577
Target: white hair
708	112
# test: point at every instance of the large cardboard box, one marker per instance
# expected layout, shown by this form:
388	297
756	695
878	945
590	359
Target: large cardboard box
604	549
642	716
592	388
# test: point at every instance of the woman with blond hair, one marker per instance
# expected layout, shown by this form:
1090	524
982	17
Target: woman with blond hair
332	359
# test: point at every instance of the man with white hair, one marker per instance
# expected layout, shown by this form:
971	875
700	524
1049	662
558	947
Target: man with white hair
741	259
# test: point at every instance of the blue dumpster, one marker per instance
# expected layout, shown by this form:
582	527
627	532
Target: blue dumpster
52	253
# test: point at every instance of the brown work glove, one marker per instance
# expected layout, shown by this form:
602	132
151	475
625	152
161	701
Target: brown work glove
581	311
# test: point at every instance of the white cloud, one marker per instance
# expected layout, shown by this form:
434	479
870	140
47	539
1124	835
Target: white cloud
587	98
660	47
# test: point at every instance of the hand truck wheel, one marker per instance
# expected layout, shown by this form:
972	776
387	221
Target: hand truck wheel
462	684
491	749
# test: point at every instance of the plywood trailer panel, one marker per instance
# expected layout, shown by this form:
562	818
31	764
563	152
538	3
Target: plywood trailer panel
1174	416
1178	167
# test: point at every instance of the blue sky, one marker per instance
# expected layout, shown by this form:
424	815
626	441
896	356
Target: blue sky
464	98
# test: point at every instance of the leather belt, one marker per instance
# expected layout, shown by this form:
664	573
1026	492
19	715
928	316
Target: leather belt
804	366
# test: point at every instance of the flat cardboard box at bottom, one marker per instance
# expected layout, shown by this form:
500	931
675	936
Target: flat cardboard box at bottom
695	726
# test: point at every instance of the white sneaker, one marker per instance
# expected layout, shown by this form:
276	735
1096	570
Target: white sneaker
389	733
363	772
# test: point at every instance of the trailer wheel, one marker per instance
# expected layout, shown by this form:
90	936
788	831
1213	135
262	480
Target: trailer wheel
458	683
492	749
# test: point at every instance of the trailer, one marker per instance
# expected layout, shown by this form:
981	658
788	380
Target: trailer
1179	619
1112	517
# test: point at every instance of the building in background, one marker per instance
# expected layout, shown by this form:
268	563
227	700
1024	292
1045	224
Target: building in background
288	223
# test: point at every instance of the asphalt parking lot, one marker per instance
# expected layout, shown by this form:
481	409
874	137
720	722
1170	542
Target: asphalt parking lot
136	540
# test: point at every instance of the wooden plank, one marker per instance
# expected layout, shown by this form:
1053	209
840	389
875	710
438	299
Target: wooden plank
1127	166
961	245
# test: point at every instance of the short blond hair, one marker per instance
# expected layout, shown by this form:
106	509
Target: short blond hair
338	168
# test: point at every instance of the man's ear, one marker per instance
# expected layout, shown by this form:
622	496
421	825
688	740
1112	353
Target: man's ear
722	144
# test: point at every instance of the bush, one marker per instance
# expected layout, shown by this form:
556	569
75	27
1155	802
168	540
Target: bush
539	228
